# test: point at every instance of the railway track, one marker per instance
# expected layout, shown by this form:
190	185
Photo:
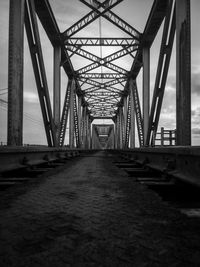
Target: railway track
27	166
21	166
178	193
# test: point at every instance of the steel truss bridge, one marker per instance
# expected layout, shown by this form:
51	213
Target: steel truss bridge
95	94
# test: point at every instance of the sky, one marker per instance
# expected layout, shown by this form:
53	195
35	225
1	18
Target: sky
67	12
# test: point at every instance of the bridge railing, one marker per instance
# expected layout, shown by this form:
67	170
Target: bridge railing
165	138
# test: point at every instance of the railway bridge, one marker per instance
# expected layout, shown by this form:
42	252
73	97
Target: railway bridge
113	183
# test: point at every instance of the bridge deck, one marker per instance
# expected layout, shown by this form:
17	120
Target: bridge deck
91	213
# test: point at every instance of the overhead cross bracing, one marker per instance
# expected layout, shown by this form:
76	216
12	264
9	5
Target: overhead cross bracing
101	68
99	86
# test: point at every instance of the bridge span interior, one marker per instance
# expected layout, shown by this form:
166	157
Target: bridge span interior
100	88
112	186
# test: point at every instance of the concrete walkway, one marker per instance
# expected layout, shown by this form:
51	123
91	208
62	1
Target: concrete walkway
90	213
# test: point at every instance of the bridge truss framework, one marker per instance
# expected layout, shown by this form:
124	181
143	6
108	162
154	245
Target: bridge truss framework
96	95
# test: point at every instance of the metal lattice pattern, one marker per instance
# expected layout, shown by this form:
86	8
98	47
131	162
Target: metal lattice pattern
77	136
102	81
65	113
138	113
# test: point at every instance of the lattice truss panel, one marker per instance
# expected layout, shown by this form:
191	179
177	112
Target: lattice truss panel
103	76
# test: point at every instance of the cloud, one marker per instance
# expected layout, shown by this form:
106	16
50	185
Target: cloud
31	97
196	125
68	12
196	131
195	83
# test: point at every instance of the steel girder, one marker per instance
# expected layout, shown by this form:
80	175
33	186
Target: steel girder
103	90
104	85
15	74
128	124
84	75
102	76
80	42
156	16
76	123
49	23
183	73
113	18
104	94
39	71
106	13
86	20
162	71
103	9
64	118
97	61
137	108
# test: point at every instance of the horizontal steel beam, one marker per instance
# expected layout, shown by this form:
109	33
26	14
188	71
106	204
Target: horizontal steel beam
102	76
103	85
100	41
104	94
112	17
100	118
88	18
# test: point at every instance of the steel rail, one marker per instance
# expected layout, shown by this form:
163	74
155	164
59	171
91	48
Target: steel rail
179	162
13	158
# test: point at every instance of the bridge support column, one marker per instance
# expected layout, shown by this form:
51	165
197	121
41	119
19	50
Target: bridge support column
117	132
146	90
84	125
79	116
115	129
183	72
71	115
15	73
132	122
89	132
93	138
125	117
121	125
56	90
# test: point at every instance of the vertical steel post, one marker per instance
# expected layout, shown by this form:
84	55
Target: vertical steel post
170	138
183	72
71	116
15	73
56	90
132	126
120	127
115	135
79	116
125	116
89	133
93	137
146	89
86	128
118	131
84	115
112	138
162	136
125	112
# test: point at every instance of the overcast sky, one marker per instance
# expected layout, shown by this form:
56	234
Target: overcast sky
67	12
